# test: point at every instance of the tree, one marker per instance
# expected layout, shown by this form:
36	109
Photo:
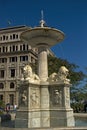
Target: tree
55	63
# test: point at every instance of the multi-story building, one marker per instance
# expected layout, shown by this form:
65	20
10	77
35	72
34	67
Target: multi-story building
14	55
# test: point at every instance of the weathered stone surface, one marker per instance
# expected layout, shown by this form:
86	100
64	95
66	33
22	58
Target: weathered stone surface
59	128
48	106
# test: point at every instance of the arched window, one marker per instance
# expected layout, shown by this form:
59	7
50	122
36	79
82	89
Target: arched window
1	85
11	85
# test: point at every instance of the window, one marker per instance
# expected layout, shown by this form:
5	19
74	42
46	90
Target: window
20	47
27	47
2	73
0	49
13	59
23	47
1	97
6	49
16	36
11	85
0	38
12	72
6	37
13	48
13	36
11	96
1	85
23	58
16	48
3	49
3	60
3	37
10	48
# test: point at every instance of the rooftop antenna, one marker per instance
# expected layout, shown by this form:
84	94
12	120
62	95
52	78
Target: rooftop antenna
9	23
42	22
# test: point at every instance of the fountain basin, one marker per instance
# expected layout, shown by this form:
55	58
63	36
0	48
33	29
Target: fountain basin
42	36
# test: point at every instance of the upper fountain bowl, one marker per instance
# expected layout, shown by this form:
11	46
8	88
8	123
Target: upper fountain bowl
42	36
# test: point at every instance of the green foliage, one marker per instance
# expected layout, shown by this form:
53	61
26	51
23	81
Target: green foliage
78	95
55	63
78	98
2	105
77	107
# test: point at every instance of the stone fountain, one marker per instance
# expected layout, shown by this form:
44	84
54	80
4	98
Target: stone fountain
44	101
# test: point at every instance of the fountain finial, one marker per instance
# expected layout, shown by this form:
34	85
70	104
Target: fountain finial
42	22
41	14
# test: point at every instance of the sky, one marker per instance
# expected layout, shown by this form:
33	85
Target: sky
69	16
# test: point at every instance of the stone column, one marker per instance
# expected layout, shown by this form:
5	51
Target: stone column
45	113
42	63
67	96
17	67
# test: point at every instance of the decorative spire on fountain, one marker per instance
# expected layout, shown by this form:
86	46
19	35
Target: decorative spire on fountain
42	22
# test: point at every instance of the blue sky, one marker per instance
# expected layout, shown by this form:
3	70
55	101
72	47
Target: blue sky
69	16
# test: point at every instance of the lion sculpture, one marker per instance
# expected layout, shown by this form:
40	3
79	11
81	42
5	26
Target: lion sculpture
60	76
28	75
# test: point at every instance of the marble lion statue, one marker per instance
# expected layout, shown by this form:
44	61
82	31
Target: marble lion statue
29	75
53	77
27	71
60	76
63	73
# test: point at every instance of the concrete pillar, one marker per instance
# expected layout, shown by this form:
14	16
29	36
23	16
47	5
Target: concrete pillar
42	63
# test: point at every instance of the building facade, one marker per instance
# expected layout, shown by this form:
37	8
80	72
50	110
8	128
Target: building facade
14	55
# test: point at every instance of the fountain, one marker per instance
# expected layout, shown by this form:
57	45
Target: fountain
44	101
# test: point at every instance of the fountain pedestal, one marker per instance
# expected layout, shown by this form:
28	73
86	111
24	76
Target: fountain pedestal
47	105
61	113
35	112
